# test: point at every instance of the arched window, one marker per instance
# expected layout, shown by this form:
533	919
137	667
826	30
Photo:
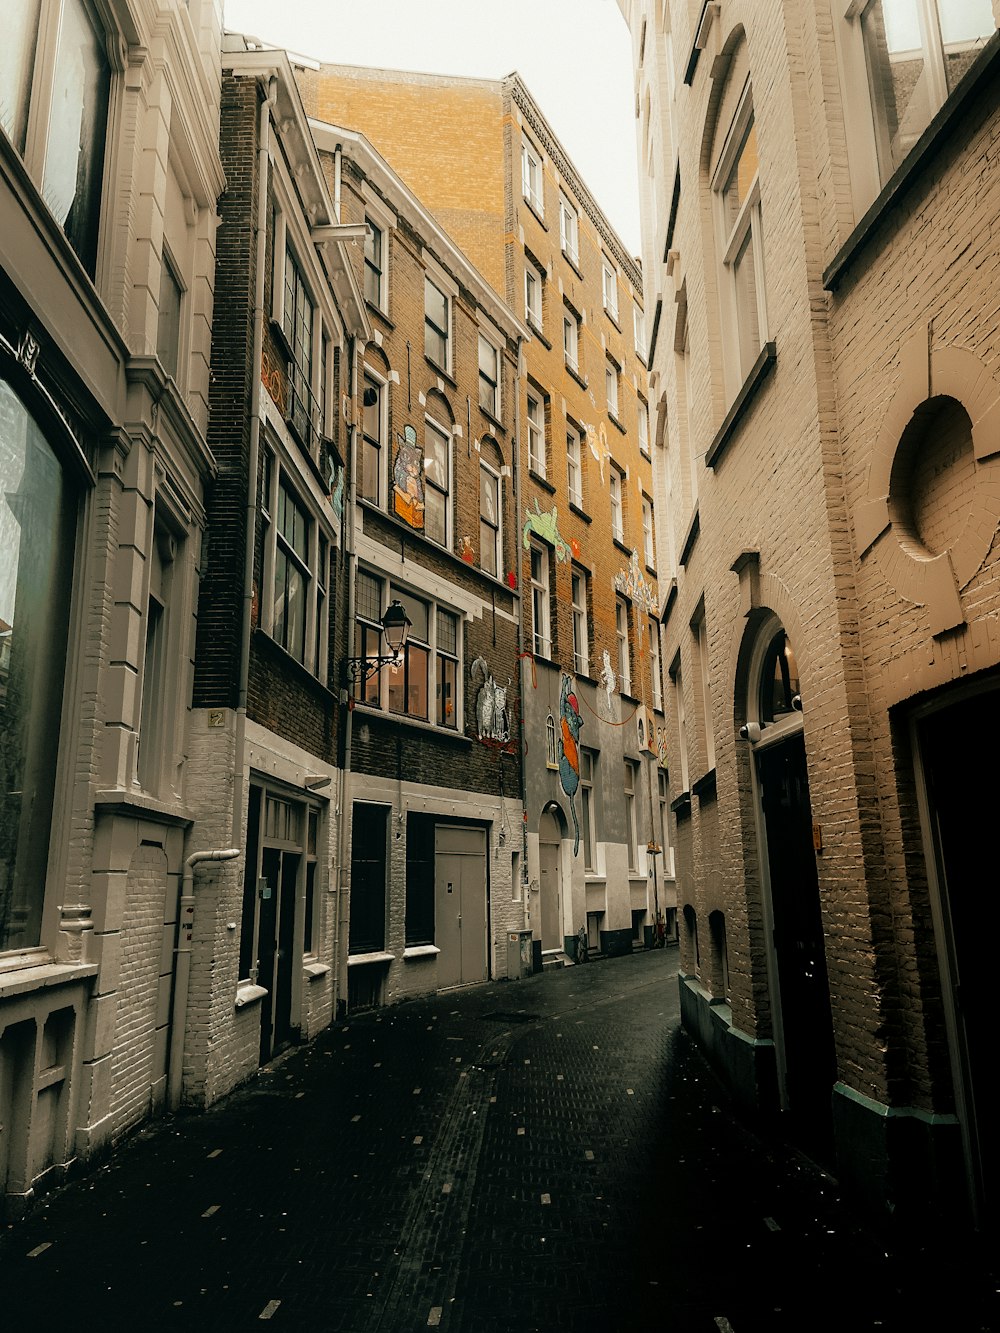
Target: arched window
691	936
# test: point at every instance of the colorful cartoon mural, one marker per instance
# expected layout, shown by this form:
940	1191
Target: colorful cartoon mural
661	746
335	483
608	678
492	718
631	583
274	378
598	444
546	526
407	479
570	723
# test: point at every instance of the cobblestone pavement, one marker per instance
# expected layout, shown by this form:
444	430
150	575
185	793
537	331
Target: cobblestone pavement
545	1154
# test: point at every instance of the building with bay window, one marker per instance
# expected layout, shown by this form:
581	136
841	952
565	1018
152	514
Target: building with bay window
109	178
818	219
432	852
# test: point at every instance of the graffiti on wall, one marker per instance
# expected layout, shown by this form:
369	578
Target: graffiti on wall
608	678
632	583
546	526
570	723
408	480
274	379
492	716
597	441
661	746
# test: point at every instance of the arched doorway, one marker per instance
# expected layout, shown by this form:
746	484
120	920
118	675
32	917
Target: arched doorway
799	986
548	921
957	812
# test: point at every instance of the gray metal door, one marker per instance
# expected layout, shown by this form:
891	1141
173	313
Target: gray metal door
460	900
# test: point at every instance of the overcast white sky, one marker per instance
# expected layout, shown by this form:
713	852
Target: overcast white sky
574	55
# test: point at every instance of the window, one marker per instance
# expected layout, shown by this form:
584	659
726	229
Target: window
648	547
551	752
654	663
490	546
56	83
569	229
536	434
611	386
639	331
37	534
437	479
541	641
374	246
574	467
571	340
531	177
157	708
631	830
643	423
369	864
297	325
581	636
489	377
419	879
609	286
615	488
296	562
533	280
588	773
663	796
779	680
915	52
373	430
738	206
168	322
677	689
621	637
437	325
704	684
429	664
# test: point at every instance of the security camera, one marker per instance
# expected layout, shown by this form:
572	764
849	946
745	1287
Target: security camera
750	731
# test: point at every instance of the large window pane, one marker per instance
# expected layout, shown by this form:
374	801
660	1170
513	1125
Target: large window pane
17	59
36	542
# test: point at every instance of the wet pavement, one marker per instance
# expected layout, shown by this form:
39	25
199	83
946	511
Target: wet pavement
543	1154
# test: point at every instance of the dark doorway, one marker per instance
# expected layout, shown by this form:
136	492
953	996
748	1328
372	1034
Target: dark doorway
962	798
806	1021
276	938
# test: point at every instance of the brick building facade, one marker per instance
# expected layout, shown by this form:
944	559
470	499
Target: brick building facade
495	175
107	270
818	202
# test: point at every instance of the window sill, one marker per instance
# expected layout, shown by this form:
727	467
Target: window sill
759	372
681	805
416	723
613	318
575	374
116	801
645	454
493	420
651	570
440	370
939	132
574	262
374	309
536	330
42	976
538	216
262	639
400	526
539	480
668	603
615	422
248	993
314	970
580	513
690	537
622	547
278	333
705	787
421	951
363	959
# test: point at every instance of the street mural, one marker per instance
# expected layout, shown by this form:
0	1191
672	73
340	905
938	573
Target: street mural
546	526
608	678
597	441
274	378
631	583
407	479
492	717
661	746
570	723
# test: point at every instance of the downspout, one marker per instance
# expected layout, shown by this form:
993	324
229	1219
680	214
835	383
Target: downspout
521	370
182	969
253	466
347	703
337	155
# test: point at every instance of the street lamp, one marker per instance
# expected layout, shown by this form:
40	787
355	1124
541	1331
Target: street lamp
395	626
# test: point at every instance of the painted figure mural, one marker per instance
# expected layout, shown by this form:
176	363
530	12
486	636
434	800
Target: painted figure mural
407	479
492	718
570	723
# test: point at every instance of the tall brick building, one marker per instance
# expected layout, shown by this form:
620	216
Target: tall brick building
819	209
495	176
109	177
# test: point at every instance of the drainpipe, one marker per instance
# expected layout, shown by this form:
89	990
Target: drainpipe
350	563
260	237
337	155
182	969
521	370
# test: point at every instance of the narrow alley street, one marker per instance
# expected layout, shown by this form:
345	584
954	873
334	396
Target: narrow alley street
531	1155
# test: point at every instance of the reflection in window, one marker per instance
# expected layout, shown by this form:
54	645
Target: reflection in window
36	539
779	679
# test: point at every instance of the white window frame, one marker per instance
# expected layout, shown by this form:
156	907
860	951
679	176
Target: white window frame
746	229
579	587
571	340
487	527
537	461
489	388
616	486
569	229
655	667
532	159
380	270
631	785
431	424
541	626
642	420
639	332
663	797
611	373
533	293
700	631
609	287
574	466
677	688
623	646
648	536
588	806
381	385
